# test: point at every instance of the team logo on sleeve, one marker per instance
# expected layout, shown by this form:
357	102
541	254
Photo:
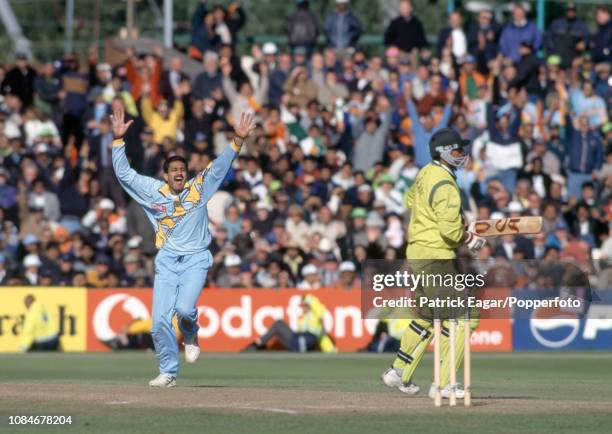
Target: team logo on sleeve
159	207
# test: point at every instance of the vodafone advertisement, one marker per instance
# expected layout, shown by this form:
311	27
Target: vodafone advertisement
232	318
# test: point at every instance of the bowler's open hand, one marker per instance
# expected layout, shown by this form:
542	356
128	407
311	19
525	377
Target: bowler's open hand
243	128
118	122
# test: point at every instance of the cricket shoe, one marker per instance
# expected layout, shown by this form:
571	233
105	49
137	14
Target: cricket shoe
192	349
391	378
163	381
409	388
445	392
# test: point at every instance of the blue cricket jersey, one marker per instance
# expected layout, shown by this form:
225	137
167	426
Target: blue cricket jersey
180	222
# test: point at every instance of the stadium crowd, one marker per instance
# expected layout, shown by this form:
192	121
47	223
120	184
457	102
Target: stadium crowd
341	135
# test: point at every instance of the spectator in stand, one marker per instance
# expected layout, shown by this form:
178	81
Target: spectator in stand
424	127
235	19
503	147
145	72
19	80
406	31
293	199
278	75
203	35
369	147
172	78
453	36
31	269
302	28
209	79
300	88
586	102
165	120
342	27
519	30
75	83
585	154
312	278
567	36
246	98
47	87
527	71
483	38
602	40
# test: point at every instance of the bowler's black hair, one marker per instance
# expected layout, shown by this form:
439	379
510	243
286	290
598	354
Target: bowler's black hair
172	159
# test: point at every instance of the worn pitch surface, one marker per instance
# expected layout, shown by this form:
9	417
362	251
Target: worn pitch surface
313	393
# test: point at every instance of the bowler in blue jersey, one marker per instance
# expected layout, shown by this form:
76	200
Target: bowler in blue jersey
176	207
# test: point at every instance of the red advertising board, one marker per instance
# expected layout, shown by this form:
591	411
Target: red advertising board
231	318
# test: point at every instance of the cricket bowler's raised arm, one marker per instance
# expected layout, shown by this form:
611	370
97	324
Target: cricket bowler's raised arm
221	165
140	188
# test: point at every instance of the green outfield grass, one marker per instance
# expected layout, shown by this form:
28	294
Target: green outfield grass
521	392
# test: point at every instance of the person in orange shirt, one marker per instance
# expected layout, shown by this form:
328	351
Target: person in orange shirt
62	238
147	69
276	131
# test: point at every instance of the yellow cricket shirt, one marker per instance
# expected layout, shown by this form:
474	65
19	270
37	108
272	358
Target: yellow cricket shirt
436	223
37	326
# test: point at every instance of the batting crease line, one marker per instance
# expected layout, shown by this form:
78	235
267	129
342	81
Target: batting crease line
248	407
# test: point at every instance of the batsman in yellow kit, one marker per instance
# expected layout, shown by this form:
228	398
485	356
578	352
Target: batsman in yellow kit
435	231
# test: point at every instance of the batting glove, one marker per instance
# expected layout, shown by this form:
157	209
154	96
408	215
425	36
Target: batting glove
474	242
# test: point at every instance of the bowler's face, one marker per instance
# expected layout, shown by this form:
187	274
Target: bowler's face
176	176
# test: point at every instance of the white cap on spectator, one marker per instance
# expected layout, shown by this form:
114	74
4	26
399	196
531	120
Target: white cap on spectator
342	1
263	205
106	204
497	215
374	220
134	242
31	260
41	148
325	245
232	261
36	202
364	187
269	48
515	206
308	270
348	266
30	239
103	67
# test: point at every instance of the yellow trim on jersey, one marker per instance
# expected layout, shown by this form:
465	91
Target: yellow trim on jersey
118	142
235	146
165	190
194	194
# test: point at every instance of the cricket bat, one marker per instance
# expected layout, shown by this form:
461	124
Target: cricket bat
508	226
